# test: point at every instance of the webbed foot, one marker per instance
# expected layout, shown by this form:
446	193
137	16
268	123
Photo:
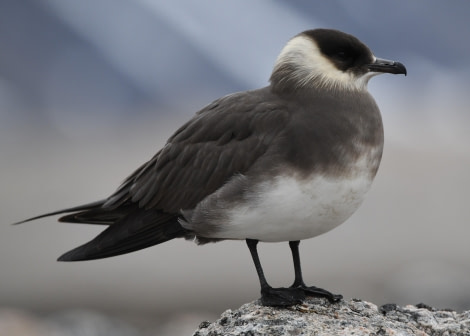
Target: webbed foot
282	296
315	291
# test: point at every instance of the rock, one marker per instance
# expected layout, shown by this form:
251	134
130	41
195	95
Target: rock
317	316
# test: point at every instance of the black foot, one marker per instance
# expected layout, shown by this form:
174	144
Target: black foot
282	296
315	291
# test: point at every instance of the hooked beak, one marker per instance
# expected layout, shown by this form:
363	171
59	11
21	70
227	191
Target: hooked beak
386	66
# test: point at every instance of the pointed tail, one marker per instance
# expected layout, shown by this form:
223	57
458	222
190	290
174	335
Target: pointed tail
86	207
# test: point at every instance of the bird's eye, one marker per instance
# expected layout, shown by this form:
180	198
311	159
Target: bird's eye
342	55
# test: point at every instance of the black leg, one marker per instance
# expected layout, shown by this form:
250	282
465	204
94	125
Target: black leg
252	245
299	282
294	247
273	296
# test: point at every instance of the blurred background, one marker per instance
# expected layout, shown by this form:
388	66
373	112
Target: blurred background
89	90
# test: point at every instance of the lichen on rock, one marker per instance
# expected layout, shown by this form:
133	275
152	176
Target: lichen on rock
317	316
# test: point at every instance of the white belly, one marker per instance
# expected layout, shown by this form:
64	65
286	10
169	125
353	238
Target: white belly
287	209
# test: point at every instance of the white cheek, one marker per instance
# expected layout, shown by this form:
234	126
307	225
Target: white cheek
313	67
361	82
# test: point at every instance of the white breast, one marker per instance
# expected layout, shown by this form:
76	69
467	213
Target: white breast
290	209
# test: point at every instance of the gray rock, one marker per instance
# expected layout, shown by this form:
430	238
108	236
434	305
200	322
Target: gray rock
355	317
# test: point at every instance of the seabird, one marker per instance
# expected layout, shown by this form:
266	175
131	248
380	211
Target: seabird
286	162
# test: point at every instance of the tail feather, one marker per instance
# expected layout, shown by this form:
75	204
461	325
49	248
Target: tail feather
85	208
133	232
99	215
130	229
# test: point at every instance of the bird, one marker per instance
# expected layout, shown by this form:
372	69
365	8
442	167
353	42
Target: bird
282	163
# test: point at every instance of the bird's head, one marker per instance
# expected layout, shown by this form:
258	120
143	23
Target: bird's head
330	59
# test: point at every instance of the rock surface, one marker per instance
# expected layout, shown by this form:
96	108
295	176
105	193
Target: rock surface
355	317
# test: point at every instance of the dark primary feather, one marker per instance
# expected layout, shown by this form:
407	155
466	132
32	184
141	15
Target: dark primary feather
134	231
224	139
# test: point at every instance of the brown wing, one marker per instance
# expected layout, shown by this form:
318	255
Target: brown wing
224	139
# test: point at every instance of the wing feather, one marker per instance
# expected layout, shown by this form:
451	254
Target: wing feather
222	140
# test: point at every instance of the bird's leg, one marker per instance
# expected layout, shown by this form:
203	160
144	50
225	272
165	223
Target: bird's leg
299	282
273	296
